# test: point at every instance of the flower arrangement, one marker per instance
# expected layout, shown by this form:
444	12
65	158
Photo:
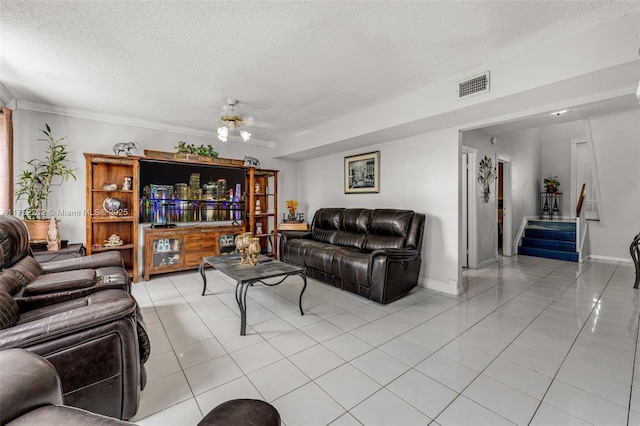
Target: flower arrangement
292	206
551	183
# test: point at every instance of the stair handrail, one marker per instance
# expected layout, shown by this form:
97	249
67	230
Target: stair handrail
581	225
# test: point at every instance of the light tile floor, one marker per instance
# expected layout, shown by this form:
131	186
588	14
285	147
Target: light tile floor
532	341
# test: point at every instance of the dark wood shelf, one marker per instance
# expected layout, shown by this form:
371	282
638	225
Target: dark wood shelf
112	219
103	248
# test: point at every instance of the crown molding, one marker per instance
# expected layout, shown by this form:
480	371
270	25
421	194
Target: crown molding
127	121
5	96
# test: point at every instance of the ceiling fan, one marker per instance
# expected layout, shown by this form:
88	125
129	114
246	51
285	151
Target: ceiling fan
231	120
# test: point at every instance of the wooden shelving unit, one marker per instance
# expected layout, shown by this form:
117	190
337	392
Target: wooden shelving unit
263	187
191	241
100	223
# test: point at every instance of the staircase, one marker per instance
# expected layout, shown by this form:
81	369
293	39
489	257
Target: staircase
550	239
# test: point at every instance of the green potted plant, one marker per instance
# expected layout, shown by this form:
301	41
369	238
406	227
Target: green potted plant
37	181
551	183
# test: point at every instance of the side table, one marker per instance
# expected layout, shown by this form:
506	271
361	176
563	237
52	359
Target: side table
69	252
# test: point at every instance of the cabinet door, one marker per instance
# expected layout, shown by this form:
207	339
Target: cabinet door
166	252
227	242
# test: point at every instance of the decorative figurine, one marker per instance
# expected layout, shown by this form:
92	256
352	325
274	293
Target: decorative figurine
123	149
259	228
252	161
254	250
258	208
113	241
53	236
242	244
126	185
257	188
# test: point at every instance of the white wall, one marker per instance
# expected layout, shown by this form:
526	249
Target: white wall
84	135
616	145
556	158
418	173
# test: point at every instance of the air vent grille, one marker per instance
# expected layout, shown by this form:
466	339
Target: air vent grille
473	85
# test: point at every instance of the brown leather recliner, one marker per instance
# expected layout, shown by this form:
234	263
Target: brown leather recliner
92	341
56	281
30	394
79	314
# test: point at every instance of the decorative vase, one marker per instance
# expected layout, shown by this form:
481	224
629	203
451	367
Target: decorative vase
242	244
254	250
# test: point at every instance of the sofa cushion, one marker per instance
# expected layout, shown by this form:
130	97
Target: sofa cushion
294	250
61	281
325	224
352	265
14	239
26	269
388	228
9	311
319	256
10	283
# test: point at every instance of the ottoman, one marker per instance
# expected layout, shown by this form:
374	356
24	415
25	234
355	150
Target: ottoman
242	412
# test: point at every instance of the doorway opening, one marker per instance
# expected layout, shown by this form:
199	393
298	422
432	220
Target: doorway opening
504	240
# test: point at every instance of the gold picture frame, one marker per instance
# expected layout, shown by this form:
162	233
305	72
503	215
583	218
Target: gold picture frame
362	173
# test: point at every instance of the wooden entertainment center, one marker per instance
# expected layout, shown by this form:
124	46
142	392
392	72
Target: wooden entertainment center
184	225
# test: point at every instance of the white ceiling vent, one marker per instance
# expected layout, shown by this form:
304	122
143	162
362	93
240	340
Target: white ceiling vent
473	85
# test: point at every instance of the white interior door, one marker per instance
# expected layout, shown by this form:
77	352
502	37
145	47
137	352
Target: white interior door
464	169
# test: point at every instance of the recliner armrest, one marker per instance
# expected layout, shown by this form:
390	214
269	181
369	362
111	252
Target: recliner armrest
28	382
396	253
289	235
94	261
51	322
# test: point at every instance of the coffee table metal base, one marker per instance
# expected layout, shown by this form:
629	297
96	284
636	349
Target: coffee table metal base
241	296
243	285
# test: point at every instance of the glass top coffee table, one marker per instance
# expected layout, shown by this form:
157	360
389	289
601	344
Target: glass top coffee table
247	275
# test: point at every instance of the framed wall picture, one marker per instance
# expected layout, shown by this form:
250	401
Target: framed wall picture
362	173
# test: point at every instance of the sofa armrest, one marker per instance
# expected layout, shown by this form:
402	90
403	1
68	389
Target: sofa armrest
94	261
392	273
28	381
290	235
54	321
395	253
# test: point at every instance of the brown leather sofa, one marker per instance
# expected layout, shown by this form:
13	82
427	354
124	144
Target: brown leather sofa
373	253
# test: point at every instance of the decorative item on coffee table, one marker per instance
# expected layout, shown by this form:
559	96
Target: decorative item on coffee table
254	250
242	245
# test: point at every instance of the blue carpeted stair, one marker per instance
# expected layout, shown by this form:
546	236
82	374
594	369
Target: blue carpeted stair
550	239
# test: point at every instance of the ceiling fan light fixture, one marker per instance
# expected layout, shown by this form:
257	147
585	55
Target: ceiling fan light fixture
223	133
231	120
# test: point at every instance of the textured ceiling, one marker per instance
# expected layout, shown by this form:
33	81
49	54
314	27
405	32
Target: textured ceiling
293	65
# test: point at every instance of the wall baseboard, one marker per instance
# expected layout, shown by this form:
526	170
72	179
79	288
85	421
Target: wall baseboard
486	263
609	258
451	287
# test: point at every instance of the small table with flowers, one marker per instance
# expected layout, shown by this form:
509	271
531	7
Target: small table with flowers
247	275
